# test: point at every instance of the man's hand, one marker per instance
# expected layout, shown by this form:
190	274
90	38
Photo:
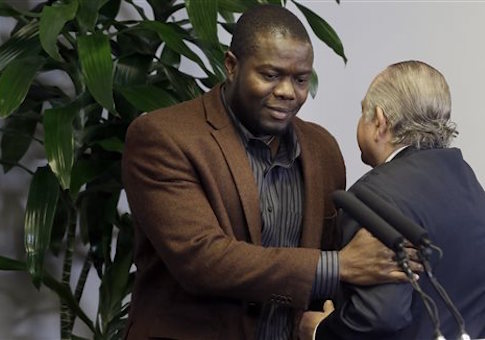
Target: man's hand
366	261
310	321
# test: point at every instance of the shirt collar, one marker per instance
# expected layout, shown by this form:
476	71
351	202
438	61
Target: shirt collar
395	152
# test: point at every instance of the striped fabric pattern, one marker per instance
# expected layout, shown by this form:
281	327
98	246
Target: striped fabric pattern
280	185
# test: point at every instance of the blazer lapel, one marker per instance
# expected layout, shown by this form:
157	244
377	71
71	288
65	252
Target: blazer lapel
231	146
313	218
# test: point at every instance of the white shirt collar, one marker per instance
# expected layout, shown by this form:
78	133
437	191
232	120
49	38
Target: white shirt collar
394	153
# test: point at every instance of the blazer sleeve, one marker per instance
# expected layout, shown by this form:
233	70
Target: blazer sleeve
367	312
374	312
170	204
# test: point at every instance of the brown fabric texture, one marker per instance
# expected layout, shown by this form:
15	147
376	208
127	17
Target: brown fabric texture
198	229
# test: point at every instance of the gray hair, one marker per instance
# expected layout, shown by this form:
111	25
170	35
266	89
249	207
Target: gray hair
416	101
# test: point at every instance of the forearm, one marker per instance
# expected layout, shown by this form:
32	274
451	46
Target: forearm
326	276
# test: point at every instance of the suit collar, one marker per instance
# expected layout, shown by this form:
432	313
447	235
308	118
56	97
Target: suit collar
215	112
232	147
405	152
311	234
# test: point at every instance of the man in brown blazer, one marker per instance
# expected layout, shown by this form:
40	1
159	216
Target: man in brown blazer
230	195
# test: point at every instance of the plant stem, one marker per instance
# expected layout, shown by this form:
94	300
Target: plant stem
82	278
81	282
67	316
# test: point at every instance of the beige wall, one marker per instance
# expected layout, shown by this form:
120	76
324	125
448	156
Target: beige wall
450	35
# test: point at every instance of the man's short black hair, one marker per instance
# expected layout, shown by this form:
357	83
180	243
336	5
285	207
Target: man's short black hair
263	19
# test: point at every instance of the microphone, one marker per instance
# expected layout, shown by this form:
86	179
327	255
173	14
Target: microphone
391	238
418	236
369	219
410	230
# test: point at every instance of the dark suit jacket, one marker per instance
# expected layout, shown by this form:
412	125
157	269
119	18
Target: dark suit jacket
201	271
438	190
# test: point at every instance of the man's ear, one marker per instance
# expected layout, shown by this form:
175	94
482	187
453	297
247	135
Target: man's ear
381	123
231	65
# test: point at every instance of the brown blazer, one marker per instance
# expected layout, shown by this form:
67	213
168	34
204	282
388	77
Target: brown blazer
200	267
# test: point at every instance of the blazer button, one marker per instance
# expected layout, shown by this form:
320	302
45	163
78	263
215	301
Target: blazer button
253	309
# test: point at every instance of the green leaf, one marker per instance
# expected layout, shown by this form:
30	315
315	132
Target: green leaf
52	21
203	16
60	225
39	215
39	93
15	82
23	43
144	42
11	264
184	86
109	8
97	214
313	84
323	30
215	56
8	11
275	2
132	70
173	38
147	98
87	13
236	6
163	9
112	144
169	57
17	136
97	66
229	27
99	131
59	141
76	337
84	171
116	278
228	16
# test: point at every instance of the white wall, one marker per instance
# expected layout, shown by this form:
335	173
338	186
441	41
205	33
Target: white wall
447	34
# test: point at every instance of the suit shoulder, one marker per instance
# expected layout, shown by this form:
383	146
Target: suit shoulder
319	137
178	117
313	128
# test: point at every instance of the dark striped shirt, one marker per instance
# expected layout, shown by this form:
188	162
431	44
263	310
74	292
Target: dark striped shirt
280	185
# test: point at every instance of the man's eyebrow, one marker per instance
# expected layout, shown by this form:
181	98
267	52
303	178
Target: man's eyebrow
282	69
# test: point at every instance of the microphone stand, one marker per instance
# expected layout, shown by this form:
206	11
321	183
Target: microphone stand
431	309
424	253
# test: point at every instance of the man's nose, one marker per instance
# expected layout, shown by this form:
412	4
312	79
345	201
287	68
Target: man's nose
285	89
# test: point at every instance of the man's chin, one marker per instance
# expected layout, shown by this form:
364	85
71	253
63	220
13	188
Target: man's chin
274	129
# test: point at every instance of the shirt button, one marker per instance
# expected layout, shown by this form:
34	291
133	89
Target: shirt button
270	208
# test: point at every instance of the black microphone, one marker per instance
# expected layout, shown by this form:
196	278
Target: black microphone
417	236
391	238
369	219
408	228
